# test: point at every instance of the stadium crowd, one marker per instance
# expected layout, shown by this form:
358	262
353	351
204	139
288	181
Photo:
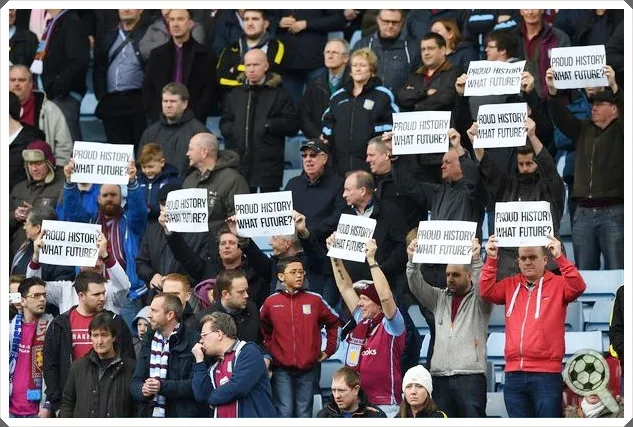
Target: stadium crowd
183	324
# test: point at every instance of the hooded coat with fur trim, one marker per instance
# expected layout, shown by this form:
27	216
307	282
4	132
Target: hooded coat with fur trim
255	121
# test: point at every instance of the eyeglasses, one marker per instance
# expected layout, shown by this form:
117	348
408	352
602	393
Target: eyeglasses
296	272
385	21
333	52
208	332
38	295
310	155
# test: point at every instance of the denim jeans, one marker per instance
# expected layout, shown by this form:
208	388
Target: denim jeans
293	392
533	395
461	396
596	231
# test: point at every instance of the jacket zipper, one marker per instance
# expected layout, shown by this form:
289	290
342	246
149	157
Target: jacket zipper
292	322
593	152
527	306
248	115
149	192
351	129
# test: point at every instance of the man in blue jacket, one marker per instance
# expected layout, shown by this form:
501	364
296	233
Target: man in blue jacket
122	226
237	384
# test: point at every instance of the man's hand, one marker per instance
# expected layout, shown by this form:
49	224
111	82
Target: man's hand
411	248
69	169
530	128
131	170
554	246
157	281
151	387
232	223
491	247
37	246
21	212
298	26
431	91
350	14
286	21
527	82
198	352
162	220
386	138
472	132
610	75
44	413
549	79
476	249
370	249
460	84
300	224
102	246
323	356
330	240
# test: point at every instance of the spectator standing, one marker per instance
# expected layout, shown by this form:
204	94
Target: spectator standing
61	61
98	383
237	384
158	34
178	284
41	113
599	174
536	301
616	331
181	60
459	50
22	43
118	79
256	119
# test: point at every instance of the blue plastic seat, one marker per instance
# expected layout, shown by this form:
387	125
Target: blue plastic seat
496	407
497	319
601	284
420	322
577	341
574	321
424	350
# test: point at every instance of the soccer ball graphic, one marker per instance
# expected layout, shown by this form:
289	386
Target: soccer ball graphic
586	372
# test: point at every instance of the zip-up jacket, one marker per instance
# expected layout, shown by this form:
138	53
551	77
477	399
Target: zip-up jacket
291	325
535	318
616	327
132	227
58	353
151	187
460	345
364	410
599	172
231	61
315	101
350	121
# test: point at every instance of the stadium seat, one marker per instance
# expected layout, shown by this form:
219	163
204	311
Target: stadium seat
92	129
497	319
88	105
325	382
358	34
292	155
288	175
575	320
495	348
262	243
420	322
599	319
577	341
317	405
496	407
424	350
335	35
601	284
213	124
490	376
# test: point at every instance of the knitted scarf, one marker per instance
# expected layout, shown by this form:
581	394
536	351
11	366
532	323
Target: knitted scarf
158	363
37	353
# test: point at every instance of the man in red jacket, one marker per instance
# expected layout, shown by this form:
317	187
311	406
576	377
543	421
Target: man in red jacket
291	320
536	304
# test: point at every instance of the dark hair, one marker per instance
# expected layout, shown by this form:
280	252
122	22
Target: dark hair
224	230
283	263
27	284
14	106
86	277
225	279
40	213
434	36
221	322
262	11
429	407
349	375
172	303
104	320
526	149
177	89
505	40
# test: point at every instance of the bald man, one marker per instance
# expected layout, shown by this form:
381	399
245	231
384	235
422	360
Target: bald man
256	119
215	170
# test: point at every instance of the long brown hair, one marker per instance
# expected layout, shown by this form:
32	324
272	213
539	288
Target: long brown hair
428	408
451	26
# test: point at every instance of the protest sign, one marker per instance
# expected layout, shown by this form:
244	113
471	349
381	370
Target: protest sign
579	67
69	243
264	214
445	242
523	224
420	132
352	234
501	125
187	211
99	163
493	78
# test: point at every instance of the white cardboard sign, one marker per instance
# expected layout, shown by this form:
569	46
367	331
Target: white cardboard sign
445	242
493	78
264	214
420	132
100	163
69	243
352	234
187	211
523	224
501	125
579	67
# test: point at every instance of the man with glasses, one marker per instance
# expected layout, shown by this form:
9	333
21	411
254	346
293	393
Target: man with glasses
26	337
237	384
317	96
291	320
398	56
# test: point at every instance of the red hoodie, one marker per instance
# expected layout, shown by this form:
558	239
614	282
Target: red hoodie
535	319
291	325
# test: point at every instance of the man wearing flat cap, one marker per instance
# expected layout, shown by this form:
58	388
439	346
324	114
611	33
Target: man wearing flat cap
598	223
43	186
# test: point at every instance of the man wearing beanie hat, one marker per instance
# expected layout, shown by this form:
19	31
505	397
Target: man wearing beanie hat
42	187
375	345
458	361
417	386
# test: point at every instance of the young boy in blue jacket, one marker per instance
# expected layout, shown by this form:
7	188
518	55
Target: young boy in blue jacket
155	174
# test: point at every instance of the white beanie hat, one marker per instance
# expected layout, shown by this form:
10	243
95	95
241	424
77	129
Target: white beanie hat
418	375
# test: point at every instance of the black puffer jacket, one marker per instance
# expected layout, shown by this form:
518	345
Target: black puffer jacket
23	46
255	123
94	392
350	121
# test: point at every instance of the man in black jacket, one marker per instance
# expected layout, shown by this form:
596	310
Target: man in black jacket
616	330
348	400
317	95
181	60
256	119
62	59
118	80
22	43
67	337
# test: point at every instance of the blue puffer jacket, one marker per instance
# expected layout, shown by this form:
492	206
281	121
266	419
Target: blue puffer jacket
150	187
132	227
89	202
